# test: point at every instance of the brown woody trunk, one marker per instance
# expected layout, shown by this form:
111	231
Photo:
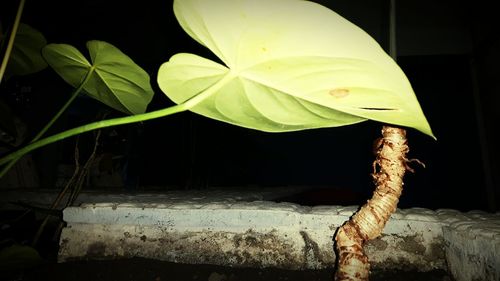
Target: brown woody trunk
389	167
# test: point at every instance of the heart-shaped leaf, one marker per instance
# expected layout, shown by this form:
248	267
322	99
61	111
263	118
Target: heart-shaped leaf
26	57
115	79
289	65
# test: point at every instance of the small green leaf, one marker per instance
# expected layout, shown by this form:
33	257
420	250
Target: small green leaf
115	79
17	257
288	65
26	57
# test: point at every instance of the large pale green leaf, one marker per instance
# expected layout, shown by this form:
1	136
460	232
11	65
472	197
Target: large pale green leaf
287	65
115	79
26	57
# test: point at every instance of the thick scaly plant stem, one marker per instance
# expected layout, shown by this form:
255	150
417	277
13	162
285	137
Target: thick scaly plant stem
389	167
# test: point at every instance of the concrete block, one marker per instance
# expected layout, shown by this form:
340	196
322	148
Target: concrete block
472	248
254	234
245	228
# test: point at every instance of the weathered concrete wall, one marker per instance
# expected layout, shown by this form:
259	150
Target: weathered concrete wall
473	247
245	228
257	234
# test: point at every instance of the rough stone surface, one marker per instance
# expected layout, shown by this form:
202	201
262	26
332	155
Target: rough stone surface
473	248
257	233
245	228
44	197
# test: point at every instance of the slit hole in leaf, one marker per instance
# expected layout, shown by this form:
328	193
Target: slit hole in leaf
374	108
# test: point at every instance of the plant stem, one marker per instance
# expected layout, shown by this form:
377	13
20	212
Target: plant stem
121	121
370	220
93	126
75	185
12	37
7	167
63	108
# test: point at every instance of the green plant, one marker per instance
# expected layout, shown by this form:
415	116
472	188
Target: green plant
21	57
112	78
21	45
288	65
22	49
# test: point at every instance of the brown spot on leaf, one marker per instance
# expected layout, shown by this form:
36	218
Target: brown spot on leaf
339	93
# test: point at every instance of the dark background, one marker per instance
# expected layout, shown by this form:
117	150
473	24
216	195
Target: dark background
448	49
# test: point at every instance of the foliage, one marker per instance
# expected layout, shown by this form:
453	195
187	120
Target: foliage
317	70
17	256
112	77
26	57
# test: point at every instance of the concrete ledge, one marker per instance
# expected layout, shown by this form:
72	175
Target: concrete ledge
245	228
473	248
258	234
45	197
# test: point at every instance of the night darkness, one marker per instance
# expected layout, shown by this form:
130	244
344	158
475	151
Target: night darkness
440	46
